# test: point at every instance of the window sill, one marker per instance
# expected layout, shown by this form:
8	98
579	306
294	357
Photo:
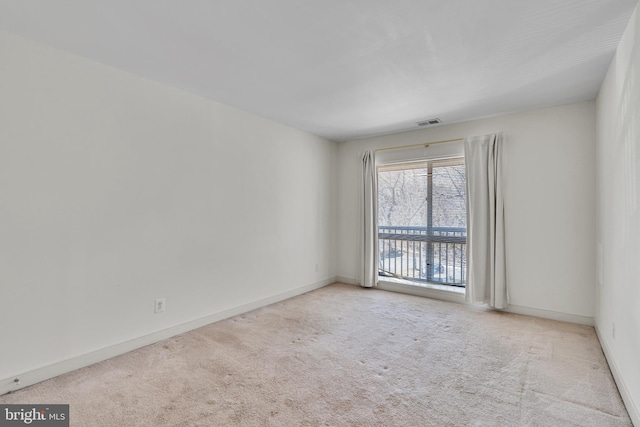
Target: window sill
429	290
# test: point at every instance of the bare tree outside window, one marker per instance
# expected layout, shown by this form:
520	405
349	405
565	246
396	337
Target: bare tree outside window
422	221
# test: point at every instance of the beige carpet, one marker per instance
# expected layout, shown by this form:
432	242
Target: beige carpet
346	356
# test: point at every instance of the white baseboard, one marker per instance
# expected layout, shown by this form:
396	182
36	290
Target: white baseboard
347	280
553	315
631	406
37	375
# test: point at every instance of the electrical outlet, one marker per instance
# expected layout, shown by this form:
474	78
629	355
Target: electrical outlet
160	305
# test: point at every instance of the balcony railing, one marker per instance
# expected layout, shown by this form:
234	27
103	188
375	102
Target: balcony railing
435	255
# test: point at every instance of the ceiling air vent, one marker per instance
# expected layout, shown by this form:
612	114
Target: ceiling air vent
429	122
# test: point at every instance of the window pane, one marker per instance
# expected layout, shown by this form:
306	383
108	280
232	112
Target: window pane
449	196
422	221
402	197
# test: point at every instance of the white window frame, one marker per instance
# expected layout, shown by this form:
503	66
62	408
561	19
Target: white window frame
439	151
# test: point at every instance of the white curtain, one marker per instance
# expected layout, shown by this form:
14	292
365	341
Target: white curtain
369	221
486	257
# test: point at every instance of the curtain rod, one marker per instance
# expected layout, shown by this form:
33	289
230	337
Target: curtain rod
424	144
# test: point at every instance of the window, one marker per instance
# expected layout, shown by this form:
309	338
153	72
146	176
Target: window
422	221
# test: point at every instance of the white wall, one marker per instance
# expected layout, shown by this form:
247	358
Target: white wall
618	219
550	204
116	190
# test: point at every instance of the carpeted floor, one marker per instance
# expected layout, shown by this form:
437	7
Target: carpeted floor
347	356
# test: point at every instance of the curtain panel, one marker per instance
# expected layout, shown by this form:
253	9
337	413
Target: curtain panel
486	255
369	221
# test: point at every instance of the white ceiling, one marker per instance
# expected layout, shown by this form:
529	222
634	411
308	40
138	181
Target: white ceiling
345	69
